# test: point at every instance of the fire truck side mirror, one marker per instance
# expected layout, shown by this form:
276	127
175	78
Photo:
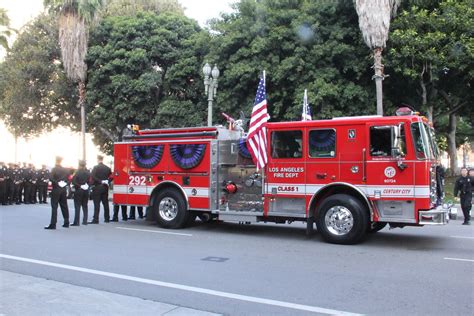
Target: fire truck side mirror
396	152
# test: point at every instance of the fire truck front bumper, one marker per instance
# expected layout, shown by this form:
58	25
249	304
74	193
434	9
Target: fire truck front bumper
436	216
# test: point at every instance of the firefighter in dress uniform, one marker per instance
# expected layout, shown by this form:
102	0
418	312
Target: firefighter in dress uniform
59	178
10	186
27	184
23	174
34	184
17	178
80	181
3	183
116	210
132	212
100	193
43	179
463	186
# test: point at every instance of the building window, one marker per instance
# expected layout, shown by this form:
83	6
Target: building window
322	143
287	144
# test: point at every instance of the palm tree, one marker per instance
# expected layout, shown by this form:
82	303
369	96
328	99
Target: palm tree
374	22
5	30
75	19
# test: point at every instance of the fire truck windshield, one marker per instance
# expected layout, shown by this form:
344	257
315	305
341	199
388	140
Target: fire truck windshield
432	138
421	140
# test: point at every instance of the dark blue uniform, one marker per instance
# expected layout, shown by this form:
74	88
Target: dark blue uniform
43	179
100	193
81	195
463	186
3	184
59	196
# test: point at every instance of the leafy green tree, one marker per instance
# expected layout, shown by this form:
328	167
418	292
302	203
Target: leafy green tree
35	95
432	53
132	7
5	30
301	44
374	23
75	19
144	69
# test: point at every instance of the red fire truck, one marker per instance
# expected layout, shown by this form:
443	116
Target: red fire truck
350	175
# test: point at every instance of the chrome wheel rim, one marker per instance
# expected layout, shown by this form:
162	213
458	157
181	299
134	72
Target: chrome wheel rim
339	220
168	209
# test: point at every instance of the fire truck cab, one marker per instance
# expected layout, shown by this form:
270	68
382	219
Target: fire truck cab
350	176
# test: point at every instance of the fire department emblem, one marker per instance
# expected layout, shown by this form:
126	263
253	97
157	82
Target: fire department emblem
390	172
352	134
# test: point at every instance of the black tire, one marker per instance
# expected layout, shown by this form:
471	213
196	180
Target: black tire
352	213
170	209
375	227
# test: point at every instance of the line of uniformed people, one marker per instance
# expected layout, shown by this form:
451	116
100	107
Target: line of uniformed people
96	183
25	184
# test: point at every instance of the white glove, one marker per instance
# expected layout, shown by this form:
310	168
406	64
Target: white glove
105	182
85	186
62	183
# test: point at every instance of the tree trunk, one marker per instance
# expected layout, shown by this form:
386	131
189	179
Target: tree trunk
424	100
452	143
379	76
82	95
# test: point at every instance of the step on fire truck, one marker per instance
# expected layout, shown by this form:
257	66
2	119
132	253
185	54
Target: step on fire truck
350	176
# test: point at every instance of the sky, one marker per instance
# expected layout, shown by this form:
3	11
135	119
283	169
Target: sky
43	149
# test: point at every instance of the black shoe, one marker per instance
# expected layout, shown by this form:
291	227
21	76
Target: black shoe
84	223
94	222
114	220
51	226
141	216
75	224
66	225
106	221
466	223
124	219
131	218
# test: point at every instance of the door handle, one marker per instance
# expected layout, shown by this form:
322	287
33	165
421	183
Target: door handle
321	175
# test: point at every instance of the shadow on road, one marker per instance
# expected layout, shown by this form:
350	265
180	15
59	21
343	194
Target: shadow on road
297	231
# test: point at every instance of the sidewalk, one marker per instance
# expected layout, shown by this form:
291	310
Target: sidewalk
25	295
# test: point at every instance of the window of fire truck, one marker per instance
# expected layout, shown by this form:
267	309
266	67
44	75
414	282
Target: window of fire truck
432	139
287	144
383	139
420	141
322	143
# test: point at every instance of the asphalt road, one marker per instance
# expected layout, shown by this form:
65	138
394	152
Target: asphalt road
257	269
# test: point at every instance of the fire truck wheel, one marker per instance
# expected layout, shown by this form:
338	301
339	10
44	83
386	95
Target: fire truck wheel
375	227
171	209
342	219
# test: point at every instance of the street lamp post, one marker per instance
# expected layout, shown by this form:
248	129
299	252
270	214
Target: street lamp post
210	88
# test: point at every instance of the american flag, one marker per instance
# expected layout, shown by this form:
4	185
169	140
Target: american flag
306	114
257	135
